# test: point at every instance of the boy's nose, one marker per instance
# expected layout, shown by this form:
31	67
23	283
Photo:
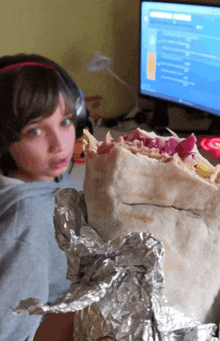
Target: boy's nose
57	142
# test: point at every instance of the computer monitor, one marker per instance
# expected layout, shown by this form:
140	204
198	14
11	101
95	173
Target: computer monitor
180	55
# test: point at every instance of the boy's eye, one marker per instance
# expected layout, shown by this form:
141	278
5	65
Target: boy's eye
66	122
34	132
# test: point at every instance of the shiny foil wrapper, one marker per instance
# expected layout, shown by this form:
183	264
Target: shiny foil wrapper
117	288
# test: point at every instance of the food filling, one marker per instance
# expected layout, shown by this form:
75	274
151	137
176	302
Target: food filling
165	149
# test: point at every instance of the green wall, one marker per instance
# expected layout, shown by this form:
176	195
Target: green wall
69	31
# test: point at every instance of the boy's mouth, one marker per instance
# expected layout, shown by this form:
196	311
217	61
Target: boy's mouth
61	163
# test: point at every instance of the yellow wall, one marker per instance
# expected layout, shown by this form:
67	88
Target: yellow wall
69	31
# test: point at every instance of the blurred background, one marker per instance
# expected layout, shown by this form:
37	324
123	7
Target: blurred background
68	32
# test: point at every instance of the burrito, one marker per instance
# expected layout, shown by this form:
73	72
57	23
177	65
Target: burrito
161	185
117	288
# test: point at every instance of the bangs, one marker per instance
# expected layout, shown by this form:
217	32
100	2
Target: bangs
37	94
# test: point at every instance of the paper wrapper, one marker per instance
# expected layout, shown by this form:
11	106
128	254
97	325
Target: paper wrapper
117	288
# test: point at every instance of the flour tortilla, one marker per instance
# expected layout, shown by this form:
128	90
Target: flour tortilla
126	190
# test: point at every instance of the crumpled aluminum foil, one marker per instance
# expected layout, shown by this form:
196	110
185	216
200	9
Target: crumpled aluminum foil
117	287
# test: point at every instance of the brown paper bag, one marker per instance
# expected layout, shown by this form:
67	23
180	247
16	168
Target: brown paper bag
130	188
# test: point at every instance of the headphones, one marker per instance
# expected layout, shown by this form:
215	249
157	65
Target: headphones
83	118
82	113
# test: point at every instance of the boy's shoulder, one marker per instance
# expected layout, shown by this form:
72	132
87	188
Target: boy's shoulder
30	196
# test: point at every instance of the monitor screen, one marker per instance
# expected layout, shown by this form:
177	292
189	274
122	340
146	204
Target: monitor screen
180	54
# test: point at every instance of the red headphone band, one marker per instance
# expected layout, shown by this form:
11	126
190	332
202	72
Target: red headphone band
13	66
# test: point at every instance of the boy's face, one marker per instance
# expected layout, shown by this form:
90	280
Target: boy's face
46	146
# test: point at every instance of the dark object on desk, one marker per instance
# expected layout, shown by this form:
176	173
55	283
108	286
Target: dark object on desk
141	117
83	122
110	122
213	129
160	120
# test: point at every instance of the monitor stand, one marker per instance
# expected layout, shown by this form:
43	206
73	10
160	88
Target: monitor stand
160	118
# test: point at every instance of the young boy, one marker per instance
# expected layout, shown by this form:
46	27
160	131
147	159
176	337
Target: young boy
40	107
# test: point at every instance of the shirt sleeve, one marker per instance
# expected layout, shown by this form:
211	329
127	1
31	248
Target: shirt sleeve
23	274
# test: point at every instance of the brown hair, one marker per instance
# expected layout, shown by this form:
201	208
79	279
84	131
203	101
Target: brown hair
26	93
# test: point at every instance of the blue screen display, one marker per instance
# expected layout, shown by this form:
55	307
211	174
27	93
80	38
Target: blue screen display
180	54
